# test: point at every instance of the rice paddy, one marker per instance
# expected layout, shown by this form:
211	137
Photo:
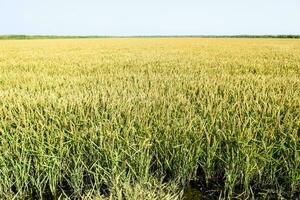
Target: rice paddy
150	118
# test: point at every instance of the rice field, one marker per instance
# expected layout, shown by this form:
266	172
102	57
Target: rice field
150	118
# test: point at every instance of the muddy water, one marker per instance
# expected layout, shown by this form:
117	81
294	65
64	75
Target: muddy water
192	193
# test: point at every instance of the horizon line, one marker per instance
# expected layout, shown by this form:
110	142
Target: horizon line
33	36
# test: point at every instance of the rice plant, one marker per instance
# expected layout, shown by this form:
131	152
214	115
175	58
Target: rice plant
149	118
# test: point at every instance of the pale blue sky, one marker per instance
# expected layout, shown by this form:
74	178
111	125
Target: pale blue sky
152	17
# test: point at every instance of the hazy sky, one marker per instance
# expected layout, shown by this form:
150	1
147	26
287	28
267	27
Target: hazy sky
151	17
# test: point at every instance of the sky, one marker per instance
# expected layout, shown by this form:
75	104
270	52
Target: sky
151	17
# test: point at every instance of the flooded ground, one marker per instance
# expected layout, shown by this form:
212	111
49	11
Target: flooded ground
192	193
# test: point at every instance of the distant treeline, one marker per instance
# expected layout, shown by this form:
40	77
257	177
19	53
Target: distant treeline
23	37
28	37
258	36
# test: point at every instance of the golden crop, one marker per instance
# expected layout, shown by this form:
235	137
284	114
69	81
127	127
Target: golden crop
141	118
